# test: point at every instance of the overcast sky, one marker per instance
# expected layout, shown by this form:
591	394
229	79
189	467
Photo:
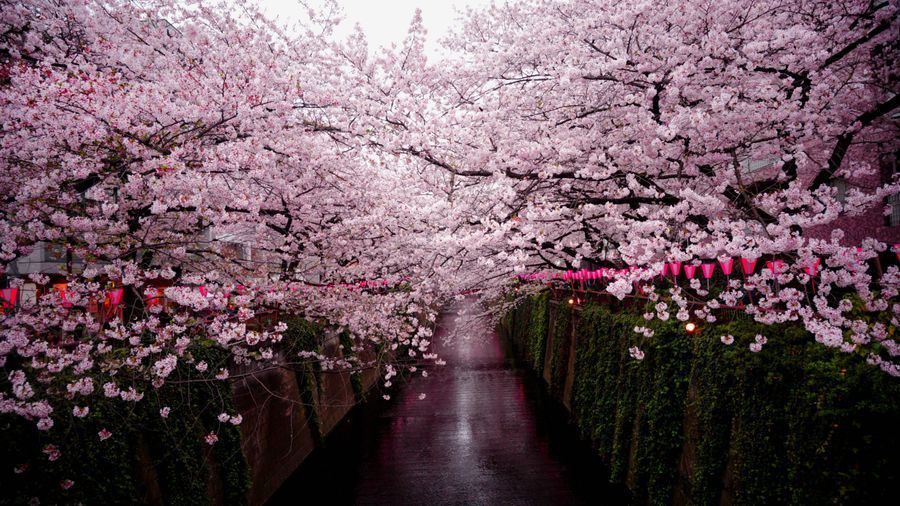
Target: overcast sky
384	21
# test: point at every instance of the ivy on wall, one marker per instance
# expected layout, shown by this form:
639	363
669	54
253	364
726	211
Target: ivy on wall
305	335
147	458
559	356
537	330
702	422
356	379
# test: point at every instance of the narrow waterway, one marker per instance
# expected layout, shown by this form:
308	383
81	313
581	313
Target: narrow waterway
484	434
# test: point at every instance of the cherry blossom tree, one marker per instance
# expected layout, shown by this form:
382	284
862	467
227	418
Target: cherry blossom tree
192	162
210	172
591	133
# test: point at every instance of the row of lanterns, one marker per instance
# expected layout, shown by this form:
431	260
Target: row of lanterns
154	295
674	269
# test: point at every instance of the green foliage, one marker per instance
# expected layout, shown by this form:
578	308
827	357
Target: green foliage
794	424
537	330
110	471
304	335
359	392
559	356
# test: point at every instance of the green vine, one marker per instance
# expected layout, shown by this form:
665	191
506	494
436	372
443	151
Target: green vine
559	356
304	335
794	424
147	455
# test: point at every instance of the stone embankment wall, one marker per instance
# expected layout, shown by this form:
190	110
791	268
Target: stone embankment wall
701	422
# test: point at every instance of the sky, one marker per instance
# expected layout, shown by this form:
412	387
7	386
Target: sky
384	21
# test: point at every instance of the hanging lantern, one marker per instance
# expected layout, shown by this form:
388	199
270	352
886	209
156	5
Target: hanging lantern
61	290
152	296
203	290
727	266
813	269
115	295
675	268
775	266
9	296
665	270
708	270
897	250
748	265
690	270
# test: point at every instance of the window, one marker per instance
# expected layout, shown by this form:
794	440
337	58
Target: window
749	166
893	219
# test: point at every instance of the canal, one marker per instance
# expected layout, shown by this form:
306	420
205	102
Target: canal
485	433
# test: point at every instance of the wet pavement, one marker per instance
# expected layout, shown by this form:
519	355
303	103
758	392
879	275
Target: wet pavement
485	434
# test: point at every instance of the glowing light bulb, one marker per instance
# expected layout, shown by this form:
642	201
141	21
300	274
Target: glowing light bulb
690	327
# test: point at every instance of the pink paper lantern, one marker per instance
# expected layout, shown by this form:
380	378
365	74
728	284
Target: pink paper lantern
727	266
61	290
203	291
748	265
665	270
9	295
776	266
690	270
675	268
115	296
813	269
708	270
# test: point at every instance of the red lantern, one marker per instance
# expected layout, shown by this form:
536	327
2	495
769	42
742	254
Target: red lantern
708	270
813	269
675	268
115	296
748	265
665	270
151	297
727	266
897	250
61	289
9	295
775	266
690	270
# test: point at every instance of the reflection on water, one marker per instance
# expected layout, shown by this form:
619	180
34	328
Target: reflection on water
485	434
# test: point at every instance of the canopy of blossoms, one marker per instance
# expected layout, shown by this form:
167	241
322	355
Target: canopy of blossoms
589	144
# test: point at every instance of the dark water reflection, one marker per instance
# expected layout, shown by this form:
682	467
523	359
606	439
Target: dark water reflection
485	434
